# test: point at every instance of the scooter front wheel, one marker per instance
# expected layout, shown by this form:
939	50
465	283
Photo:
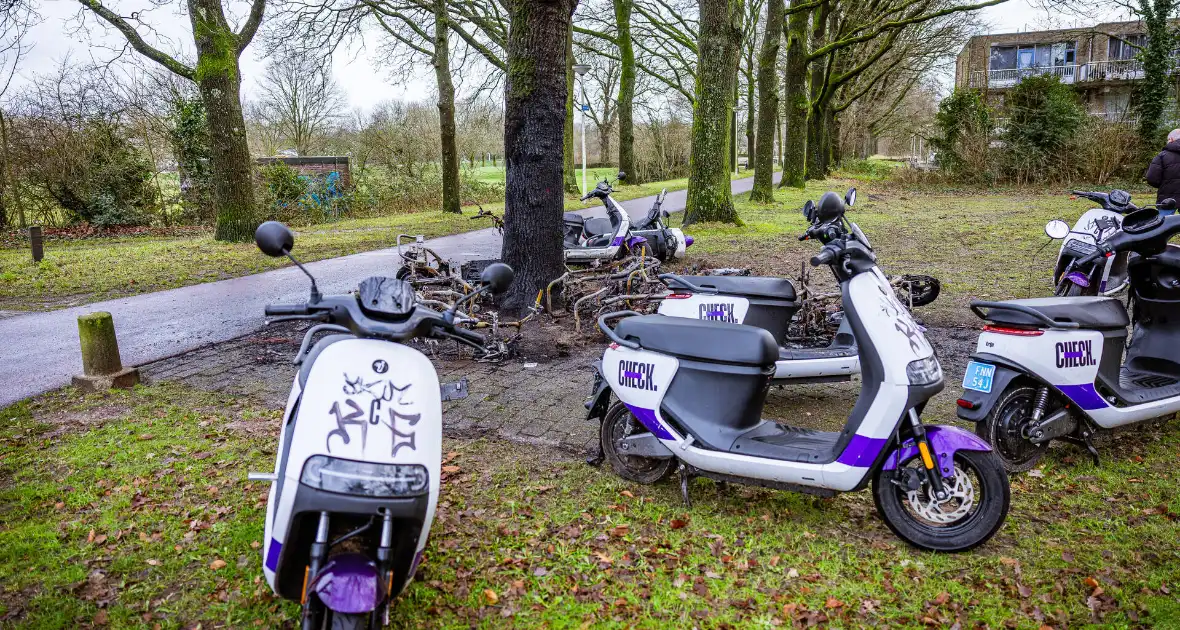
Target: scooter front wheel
620	423
341	621
973	513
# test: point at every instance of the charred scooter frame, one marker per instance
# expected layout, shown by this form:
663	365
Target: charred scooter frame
691	394
356	475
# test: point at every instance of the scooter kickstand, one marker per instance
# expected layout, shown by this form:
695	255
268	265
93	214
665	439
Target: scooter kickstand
1086	433
684	485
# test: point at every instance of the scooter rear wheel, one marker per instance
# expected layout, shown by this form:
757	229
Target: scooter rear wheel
977	508
1004	426
618	424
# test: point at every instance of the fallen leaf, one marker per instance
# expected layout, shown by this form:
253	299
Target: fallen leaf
774	560
90	538
678	523
101	619
1091	582
541	572
792	573
712	575
1024	591
154	562
942	598
255	545
628	494
450	469
833	603
490	596
100	539
217	564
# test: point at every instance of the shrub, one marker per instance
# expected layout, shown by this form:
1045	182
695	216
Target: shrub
963	142
1044	117
189	136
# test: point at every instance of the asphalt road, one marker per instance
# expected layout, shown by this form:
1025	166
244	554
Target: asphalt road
40	352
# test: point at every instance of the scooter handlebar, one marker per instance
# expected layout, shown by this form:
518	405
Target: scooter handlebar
824	257
286	310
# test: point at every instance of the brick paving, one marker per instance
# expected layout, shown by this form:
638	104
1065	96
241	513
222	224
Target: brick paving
538	403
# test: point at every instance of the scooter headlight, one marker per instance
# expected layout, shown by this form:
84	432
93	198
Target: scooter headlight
366	479
924	371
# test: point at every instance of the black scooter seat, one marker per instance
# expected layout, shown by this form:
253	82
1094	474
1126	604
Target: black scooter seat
719	342
573	218
1087	312
779	288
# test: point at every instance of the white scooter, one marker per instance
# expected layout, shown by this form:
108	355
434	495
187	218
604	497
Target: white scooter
691	394
356	477
771	303
587	240
1054	368
1082	240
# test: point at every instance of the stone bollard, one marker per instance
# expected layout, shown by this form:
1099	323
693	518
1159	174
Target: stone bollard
101	366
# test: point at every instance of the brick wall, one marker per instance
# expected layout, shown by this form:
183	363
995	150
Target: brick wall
316	166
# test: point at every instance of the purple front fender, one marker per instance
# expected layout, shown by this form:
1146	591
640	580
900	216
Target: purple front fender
946	441
349	584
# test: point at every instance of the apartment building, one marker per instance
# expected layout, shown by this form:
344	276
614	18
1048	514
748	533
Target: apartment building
1099	61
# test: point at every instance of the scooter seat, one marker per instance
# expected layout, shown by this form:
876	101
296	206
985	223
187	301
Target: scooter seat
719	342
1100	313
779	288
599	226
573	218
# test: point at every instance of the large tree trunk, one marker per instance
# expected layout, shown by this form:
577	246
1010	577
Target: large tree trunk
709	194
534	120
816	128
626	91
604	145
571	177
1152	92
446	110
763	189
797	102
219	81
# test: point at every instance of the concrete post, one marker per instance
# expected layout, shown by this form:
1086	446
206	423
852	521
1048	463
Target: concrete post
102	368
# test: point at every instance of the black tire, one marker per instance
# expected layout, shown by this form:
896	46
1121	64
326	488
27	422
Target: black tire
1003	429
618	423
975	527
403	272
341	621
922	290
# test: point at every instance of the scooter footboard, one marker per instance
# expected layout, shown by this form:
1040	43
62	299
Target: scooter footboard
946	441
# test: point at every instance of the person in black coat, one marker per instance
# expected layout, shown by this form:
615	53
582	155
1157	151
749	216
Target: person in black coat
1164	171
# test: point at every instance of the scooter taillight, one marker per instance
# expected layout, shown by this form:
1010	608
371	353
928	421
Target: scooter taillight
677	296
1009	330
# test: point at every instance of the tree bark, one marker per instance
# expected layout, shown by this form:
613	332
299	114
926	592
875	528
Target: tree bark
451	193
816	145
604	145
719	43
768	104
535	98
219	81
570	171
626	91
816	121
797	102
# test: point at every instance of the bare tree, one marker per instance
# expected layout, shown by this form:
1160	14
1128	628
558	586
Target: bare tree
301	99
219	78
16	18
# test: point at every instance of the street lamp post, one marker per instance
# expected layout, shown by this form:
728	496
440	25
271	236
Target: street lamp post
581	69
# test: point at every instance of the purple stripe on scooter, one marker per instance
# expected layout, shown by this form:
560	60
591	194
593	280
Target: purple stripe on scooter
272	554
632	375
861	451
1084	395
647	418
618	241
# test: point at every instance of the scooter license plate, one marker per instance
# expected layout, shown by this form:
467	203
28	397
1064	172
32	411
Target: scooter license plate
979	376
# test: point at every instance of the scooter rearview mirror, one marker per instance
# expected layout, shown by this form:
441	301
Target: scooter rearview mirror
621	176
497	277
274	239
809	211
1167	204
1057	229
850	197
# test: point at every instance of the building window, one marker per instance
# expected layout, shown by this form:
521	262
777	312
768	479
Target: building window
1125	48
1003	58
1063	54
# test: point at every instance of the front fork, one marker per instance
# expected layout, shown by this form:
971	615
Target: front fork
319	552
932	472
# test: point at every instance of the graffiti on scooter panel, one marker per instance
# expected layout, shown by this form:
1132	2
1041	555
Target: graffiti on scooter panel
382	399
903	322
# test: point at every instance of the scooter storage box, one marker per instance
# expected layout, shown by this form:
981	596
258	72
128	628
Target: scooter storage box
773	301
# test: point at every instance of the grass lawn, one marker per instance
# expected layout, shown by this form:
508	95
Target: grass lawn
980	245
93	269
132	510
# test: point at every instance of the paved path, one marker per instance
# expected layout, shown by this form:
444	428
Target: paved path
39	351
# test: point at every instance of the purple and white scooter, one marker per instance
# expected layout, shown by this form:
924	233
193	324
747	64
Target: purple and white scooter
691	394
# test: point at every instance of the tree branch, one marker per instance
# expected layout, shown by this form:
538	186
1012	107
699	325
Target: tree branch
137	42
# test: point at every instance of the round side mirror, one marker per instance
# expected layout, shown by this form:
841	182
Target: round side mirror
1167	204
809	211
850	197
621	176
1057	229
274	239
497	277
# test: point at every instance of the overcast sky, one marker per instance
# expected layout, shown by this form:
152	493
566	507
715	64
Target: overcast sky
357	71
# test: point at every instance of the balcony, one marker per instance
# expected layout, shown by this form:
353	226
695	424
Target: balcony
1095	71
